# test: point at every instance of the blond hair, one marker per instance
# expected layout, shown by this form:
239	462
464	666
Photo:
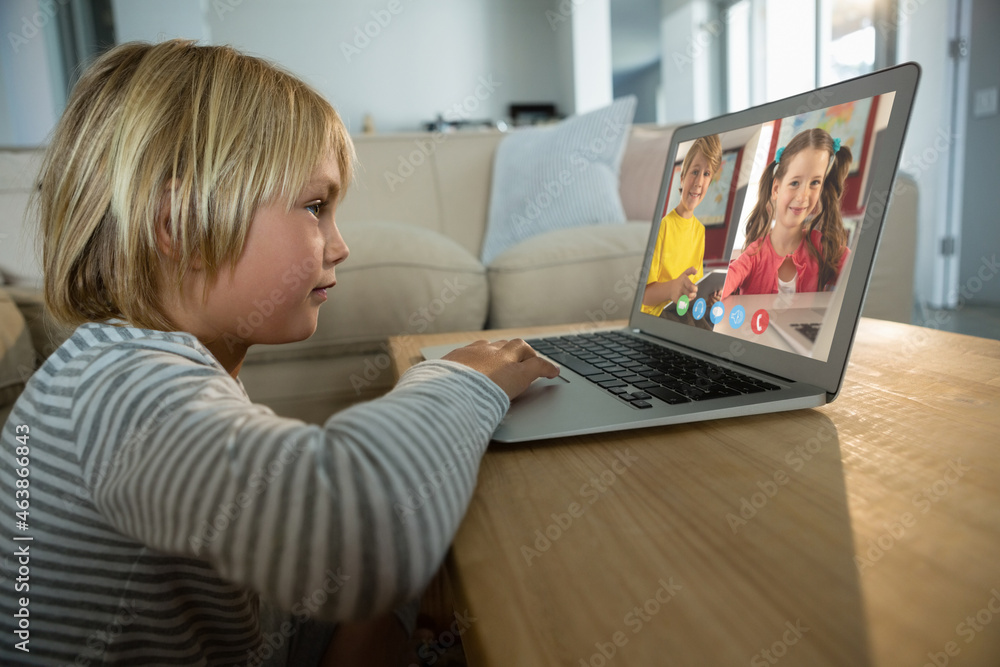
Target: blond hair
710	147
203	133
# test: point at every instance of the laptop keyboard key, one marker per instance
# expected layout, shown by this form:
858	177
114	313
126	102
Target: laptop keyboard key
667	396
574	364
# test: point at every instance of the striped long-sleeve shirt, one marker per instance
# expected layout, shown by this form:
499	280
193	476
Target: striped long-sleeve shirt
163	505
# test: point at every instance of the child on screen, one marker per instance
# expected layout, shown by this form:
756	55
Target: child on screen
795	236
173	520
678	258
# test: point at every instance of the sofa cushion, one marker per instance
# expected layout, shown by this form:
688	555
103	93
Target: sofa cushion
557	177
588	274
399	279
17	355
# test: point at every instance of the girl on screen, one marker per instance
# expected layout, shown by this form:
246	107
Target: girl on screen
795	236
680	243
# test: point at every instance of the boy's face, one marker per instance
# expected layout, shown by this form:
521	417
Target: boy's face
797	194
280	281
695	183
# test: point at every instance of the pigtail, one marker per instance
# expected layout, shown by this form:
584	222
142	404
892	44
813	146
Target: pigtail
759	221
829	221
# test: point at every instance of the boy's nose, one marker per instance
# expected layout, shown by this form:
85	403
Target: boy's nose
336	248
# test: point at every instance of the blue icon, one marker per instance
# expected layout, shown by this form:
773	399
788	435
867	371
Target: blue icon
718	311
698	310
737	316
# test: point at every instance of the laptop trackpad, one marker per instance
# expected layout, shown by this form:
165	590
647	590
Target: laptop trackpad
543	386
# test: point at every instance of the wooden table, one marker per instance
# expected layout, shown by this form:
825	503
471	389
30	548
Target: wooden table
866	532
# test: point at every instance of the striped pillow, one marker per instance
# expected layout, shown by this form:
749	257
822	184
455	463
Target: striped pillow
557	177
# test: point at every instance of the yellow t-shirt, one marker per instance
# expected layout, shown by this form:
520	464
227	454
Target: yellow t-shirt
680	244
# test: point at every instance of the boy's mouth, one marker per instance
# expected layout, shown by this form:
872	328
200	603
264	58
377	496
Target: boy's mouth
322	290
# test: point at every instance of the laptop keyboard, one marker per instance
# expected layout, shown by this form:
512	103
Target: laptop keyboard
637	371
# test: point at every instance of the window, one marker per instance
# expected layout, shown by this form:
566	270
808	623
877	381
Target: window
777	48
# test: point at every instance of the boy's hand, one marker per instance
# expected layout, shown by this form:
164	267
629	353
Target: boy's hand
512	364
682	285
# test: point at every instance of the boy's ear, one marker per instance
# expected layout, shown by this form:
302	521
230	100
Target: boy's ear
164	230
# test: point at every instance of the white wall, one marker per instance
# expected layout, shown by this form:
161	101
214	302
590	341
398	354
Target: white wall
923	37
26	28
592	77
402	61
155	20
980	243
687	68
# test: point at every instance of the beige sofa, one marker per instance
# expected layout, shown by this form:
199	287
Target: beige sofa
415	220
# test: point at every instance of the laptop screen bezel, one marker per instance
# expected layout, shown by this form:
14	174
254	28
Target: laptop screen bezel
828	375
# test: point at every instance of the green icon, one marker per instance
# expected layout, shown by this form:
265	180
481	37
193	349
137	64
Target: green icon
682	305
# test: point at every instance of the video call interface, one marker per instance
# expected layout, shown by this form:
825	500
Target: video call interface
757	235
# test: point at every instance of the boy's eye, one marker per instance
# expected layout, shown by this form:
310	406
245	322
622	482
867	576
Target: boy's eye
315	208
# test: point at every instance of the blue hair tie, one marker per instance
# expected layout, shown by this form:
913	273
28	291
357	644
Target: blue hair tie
777	156
836	146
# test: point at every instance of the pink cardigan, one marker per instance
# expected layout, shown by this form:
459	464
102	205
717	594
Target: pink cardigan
756	270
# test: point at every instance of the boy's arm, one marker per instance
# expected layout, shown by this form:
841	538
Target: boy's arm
340	522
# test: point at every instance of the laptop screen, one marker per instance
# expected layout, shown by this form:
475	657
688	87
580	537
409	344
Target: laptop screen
759	225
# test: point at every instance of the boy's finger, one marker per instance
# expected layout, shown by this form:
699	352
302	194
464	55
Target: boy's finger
540	367
520	349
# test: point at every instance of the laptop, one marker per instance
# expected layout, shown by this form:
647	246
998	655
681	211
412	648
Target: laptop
743	355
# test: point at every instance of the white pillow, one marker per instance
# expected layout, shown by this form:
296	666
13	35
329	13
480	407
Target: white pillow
558	176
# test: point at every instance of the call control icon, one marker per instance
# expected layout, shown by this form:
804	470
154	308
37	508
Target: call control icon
698	309
737	317
682	305
718	312
760	321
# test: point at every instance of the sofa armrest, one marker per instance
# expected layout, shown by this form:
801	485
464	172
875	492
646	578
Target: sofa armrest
46	333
